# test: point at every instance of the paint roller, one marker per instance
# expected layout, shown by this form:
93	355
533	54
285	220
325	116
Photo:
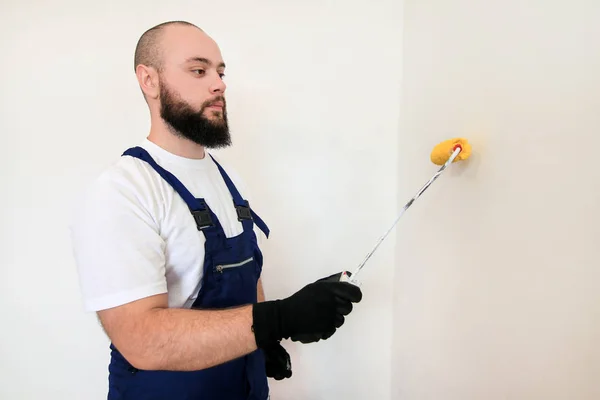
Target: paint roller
444	154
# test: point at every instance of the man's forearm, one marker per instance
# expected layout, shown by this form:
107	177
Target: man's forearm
188	340
260	292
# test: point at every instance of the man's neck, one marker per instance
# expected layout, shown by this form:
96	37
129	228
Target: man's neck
180	146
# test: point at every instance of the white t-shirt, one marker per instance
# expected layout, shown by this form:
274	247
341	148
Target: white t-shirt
133	236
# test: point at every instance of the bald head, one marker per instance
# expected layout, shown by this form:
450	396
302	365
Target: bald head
149	47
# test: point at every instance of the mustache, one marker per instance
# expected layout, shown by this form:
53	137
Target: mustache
218	99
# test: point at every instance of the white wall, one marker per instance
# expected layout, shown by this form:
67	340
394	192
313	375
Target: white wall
497	266
496	271
314	93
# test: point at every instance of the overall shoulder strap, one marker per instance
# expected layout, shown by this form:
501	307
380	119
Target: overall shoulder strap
245	213
198	207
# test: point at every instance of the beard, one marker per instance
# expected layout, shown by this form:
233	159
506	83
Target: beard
192	124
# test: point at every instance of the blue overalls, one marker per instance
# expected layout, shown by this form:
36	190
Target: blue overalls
232	267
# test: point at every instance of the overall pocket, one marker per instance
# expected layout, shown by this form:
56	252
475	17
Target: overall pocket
231	283
220	268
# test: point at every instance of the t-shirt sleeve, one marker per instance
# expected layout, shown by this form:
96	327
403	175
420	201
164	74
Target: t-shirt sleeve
118	251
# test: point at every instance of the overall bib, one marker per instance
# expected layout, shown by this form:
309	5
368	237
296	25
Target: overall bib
232	267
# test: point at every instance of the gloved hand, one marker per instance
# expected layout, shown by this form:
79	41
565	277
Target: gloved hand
315	337
277	362
316	310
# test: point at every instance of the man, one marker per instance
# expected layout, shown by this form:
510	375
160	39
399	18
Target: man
167	247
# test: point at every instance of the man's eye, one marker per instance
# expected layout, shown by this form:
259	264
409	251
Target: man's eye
199	71
222	76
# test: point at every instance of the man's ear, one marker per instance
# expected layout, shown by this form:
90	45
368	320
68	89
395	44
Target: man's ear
148	79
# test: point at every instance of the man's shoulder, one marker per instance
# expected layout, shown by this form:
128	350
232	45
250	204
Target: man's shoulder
124	174
126	183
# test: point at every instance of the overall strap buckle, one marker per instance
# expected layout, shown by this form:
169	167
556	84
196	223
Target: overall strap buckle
243	212
202	217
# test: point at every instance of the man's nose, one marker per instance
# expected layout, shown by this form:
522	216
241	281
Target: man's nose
218	85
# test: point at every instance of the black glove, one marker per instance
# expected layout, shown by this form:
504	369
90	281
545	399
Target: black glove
315	337
277	362
318	310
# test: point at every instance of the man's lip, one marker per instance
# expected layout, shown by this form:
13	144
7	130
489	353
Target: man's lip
217	104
